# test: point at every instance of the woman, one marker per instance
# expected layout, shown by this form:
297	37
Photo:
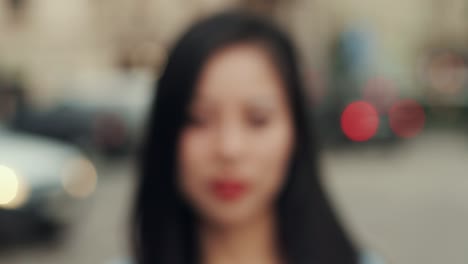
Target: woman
229	169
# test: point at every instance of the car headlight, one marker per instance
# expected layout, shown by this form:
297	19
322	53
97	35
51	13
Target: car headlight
79	178
14	191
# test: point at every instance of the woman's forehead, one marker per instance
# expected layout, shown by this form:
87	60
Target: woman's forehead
241	71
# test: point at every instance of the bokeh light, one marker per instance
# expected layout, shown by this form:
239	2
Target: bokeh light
446	73
9	185
360	121
79	178
407	118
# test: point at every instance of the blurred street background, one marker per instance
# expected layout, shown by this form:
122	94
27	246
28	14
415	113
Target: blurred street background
387	81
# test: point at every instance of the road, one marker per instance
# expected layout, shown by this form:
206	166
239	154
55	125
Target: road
409	203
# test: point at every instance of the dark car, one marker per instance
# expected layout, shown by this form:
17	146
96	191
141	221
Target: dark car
94	128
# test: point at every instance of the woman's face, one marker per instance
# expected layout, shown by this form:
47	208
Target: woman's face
234	151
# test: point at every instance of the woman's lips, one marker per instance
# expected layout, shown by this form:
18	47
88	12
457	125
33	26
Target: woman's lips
228	190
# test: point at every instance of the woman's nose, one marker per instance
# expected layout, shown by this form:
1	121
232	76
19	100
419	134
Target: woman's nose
231	141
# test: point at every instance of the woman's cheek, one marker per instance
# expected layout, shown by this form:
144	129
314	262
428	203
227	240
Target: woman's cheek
274	149
193	164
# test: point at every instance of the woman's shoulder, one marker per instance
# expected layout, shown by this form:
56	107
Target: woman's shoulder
365	257
370	257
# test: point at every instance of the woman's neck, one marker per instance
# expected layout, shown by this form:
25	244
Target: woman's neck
252	242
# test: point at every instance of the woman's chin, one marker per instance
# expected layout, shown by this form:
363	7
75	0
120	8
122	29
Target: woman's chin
227	217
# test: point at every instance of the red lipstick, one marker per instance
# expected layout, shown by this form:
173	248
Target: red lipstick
228	190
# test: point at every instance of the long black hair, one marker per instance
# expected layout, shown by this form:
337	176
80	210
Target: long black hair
163	224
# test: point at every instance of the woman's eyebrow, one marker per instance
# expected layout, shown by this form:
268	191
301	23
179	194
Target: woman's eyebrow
263	102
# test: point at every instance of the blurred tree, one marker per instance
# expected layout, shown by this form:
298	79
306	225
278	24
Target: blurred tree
17	5
17	8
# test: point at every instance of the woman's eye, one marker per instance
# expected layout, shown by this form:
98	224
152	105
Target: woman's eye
258	120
